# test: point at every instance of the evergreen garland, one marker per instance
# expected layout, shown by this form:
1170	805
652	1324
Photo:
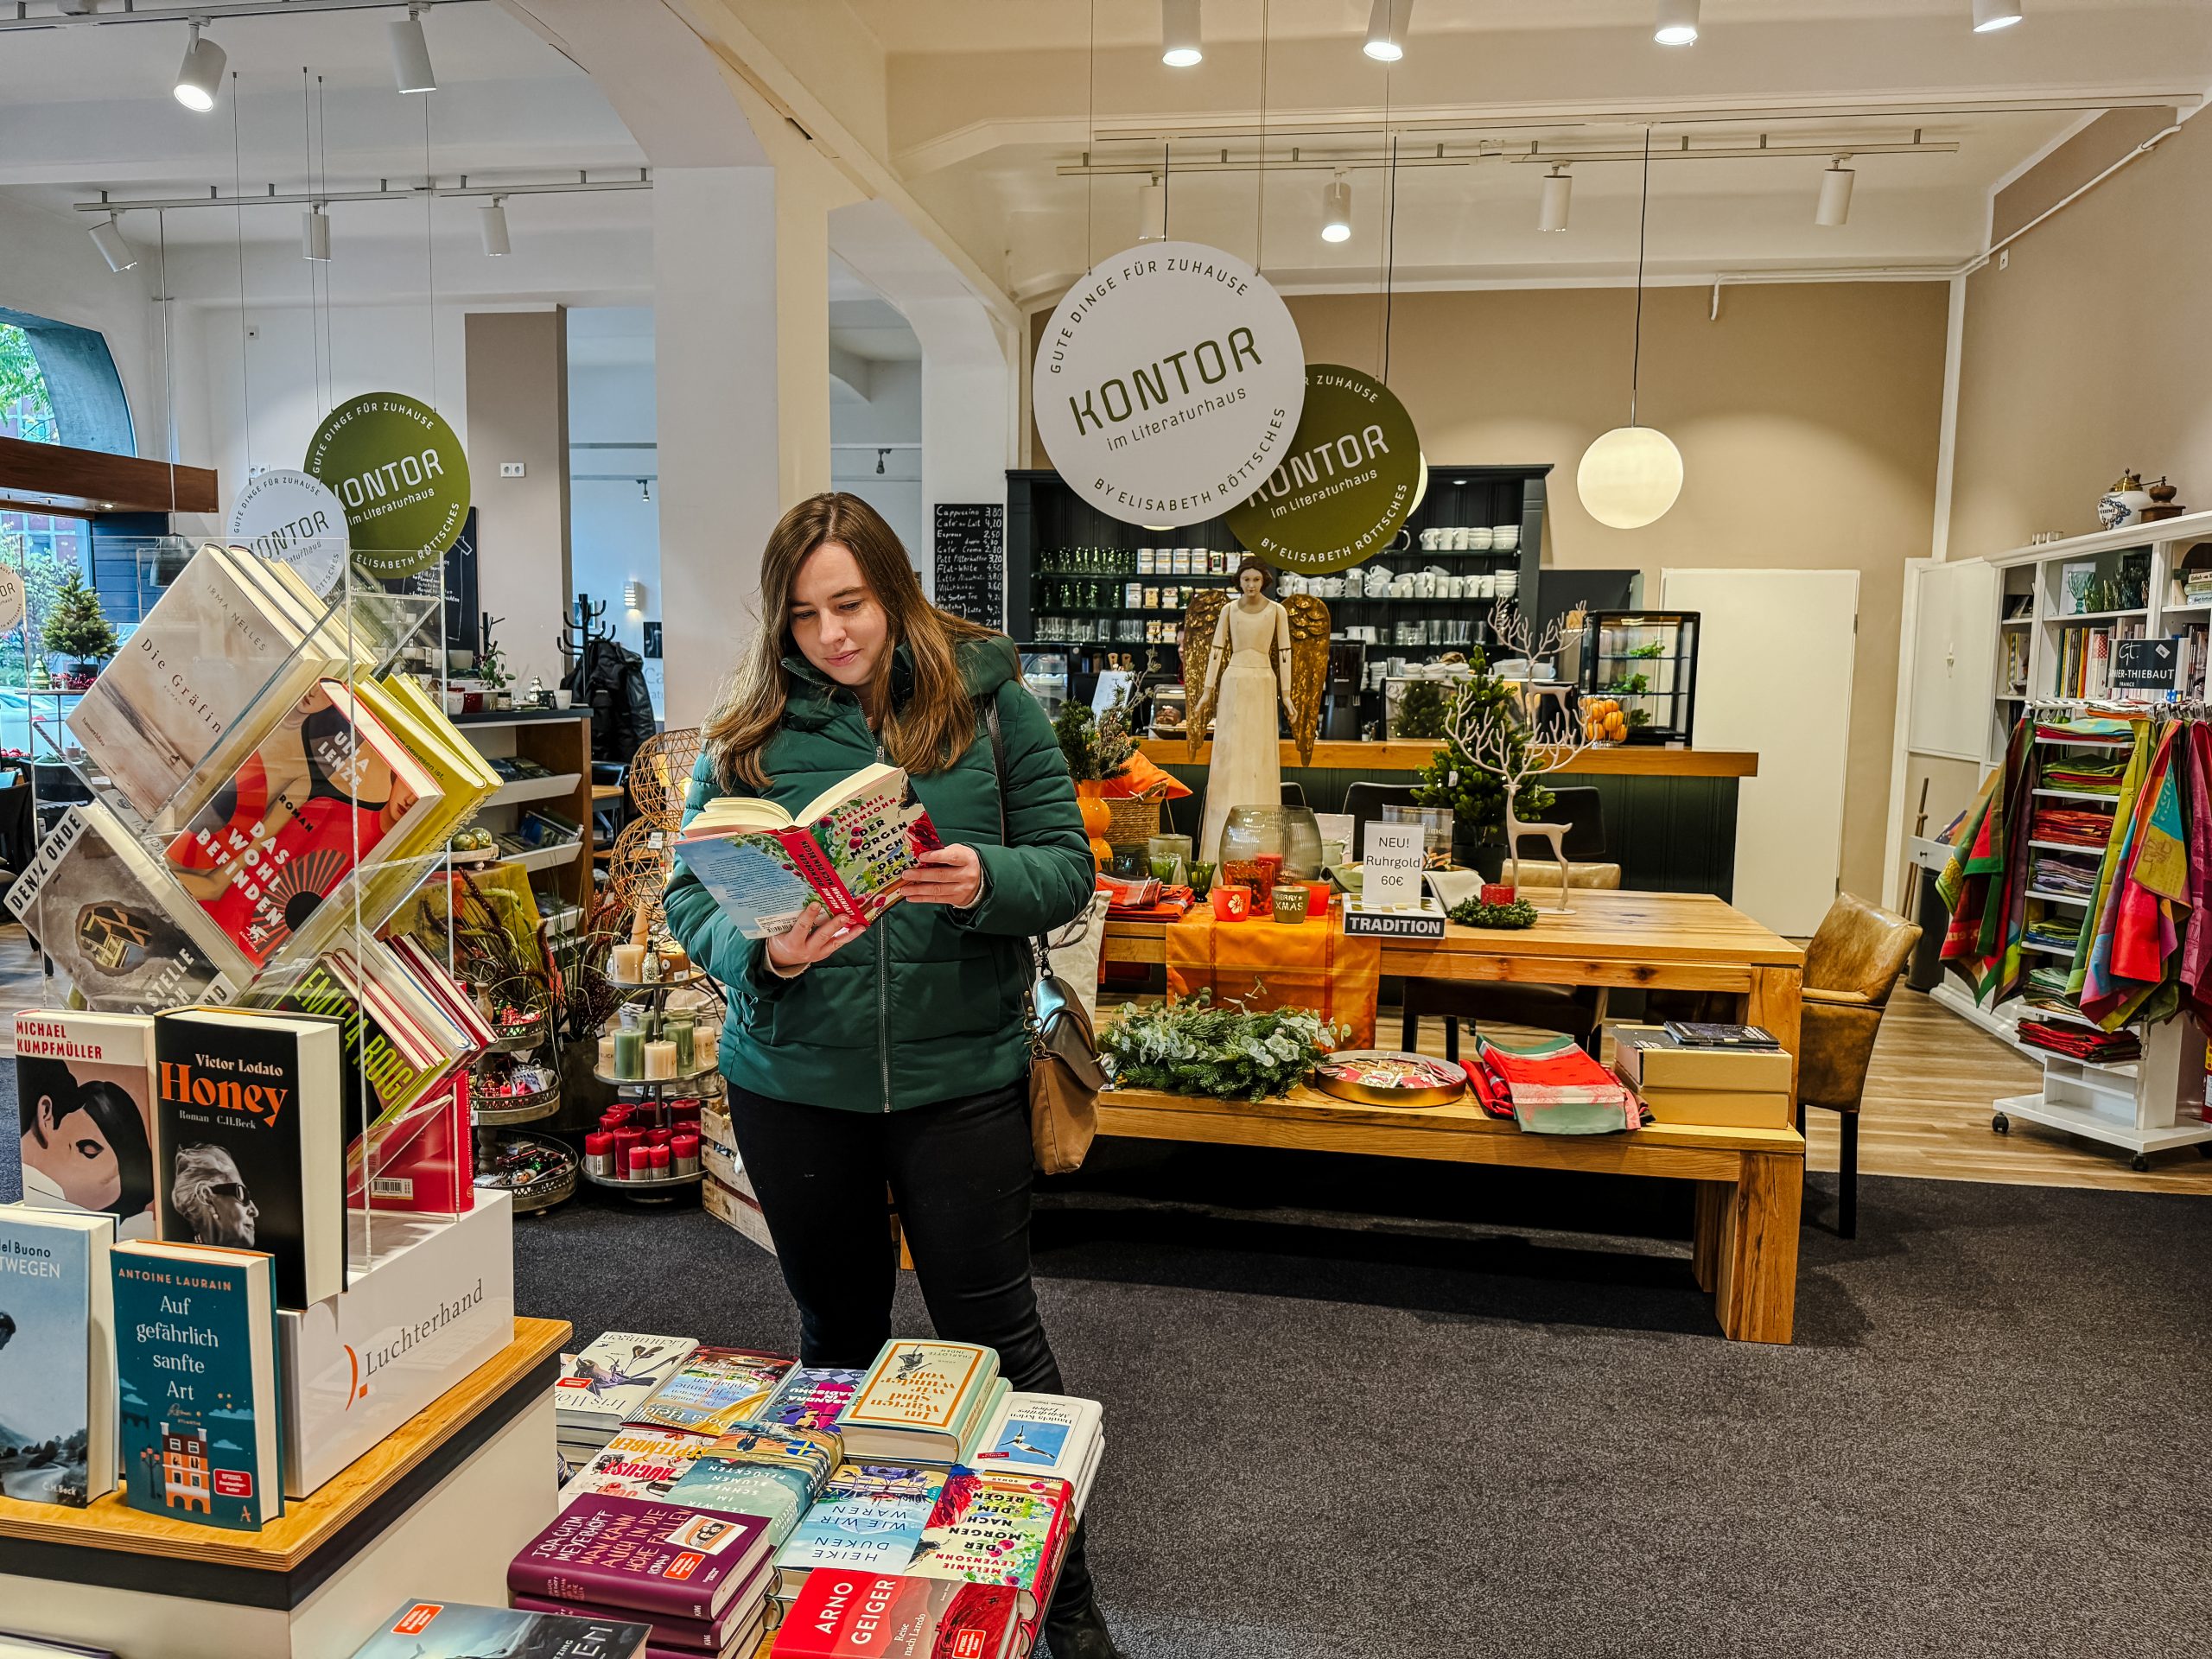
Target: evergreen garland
1473	913
1191	1048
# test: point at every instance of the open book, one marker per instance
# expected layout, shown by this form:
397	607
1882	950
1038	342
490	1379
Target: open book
850	847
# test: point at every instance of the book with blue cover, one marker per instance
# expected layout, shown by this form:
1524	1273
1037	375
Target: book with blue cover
869	1519
762	1470
449	1629
195	1330
57	1356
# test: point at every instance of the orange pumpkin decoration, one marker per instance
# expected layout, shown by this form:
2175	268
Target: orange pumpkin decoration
1101	853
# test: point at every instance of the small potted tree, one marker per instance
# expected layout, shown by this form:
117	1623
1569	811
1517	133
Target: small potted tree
76	627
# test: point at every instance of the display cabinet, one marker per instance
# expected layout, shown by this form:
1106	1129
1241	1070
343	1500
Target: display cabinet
1645	664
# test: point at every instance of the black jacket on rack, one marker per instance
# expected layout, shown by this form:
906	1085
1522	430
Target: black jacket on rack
609	678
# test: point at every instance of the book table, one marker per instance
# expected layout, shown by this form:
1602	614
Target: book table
436	1511
1749	1180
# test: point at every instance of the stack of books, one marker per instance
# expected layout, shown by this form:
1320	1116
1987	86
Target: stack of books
600	1388
1746	1087
741	1482
452	1630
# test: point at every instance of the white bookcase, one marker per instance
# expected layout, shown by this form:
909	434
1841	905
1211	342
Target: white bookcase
2042	619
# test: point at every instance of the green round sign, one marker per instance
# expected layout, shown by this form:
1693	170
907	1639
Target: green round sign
1351	476
402	475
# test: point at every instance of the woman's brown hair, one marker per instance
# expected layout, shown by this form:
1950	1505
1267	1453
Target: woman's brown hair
926	734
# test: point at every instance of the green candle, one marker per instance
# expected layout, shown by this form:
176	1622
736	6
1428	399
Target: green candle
678	1026
630	1046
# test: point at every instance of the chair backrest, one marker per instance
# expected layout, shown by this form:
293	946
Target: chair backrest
1582	809
1860	947
1365	801
1294	792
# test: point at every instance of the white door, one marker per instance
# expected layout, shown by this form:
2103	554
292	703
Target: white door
1774	674
1954	658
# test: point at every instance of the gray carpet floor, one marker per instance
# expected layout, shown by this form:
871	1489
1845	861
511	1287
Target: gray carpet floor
1387	1410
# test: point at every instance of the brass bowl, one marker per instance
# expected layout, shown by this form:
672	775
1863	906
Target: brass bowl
1447	1088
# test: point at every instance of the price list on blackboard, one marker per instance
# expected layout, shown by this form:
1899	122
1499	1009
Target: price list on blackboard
971	559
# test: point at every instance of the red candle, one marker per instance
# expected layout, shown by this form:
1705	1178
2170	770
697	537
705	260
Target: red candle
1231	903
658	1137
659	1157
1317	898
641	1163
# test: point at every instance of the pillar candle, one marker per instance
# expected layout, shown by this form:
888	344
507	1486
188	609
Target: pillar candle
599	1153
607	1056
630	1053
641	1164
660	1162
661	1059
629	964
684	1152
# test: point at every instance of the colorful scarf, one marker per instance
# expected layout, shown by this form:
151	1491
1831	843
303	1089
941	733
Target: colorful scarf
1985	882
2125	971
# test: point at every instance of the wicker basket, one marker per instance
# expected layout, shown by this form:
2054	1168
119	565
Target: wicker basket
1134	817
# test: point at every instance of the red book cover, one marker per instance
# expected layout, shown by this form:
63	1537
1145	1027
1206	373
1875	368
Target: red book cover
311	802
655	1557
434	1172
841	1615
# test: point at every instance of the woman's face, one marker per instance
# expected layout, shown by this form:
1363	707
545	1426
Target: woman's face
1251	584
839	624
75	1156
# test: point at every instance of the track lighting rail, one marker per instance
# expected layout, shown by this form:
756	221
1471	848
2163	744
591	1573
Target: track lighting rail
206	11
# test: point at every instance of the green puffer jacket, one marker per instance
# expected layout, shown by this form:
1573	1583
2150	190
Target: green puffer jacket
926	1005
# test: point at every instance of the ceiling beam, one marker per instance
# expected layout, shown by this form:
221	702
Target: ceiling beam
54	478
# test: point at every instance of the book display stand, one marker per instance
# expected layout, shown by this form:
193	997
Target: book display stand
236	812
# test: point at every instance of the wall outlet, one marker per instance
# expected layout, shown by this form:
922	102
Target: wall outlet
2004	258
511	469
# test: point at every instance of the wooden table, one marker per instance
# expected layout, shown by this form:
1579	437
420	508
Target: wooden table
1750	1181
436	1509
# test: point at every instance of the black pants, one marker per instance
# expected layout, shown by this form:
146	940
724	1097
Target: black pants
959	1171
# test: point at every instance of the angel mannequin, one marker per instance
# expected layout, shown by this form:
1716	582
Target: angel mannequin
1247	675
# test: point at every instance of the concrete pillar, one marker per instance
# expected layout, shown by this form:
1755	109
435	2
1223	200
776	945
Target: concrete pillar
517	390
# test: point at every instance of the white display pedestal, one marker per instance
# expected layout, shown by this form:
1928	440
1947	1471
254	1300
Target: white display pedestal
437	1511
434	1301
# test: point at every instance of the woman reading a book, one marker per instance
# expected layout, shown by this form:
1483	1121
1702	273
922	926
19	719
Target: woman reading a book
894	1051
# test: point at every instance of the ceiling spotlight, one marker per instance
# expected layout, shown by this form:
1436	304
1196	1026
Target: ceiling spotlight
1386	29
1559	190
201	73
107	237
1677	22
1336	211
492	226
881	455
1835	194
410	54
1179	34
644	494
1990	16
314	235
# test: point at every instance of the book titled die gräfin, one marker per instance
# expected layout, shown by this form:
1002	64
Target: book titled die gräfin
654	1556
841	1615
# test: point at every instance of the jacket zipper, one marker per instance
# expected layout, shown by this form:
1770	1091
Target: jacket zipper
883	991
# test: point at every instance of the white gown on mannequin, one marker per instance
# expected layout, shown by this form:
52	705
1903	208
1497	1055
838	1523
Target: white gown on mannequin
1247	765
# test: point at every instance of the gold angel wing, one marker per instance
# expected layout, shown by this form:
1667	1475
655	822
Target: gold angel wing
1198	625
1309	670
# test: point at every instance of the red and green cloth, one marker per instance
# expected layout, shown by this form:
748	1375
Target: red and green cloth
1985	880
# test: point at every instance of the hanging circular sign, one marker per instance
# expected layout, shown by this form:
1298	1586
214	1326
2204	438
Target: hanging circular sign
290	518
1352	473
1168	382
11	598
401	475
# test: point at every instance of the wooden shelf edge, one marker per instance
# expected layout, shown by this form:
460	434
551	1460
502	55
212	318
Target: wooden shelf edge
1627	760
285	1544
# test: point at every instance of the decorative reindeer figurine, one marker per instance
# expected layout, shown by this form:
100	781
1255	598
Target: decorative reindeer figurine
1512	743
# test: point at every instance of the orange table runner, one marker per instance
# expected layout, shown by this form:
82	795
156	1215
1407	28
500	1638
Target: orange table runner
1264	965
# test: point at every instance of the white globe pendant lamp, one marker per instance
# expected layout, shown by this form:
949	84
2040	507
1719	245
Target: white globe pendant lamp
1632	474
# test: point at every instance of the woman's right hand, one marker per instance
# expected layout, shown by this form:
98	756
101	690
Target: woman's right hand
816	934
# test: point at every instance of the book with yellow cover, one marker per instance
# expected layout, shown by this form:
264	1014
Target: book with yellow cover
919	1400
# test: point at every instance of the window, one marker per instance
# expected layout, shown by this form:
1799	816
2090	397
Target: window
43	547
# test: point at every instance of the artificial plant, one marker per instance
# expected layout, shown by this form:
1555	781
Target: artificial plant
1456	778
76	626
1194	1047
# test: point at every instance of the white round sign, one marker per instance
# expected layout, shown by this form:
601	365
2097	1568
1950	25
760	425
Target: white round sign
293	519
11	598
1168	382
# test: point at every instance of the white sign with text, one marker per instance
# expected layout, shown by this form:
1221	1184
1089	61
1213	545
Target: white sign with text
1168	383
1391	870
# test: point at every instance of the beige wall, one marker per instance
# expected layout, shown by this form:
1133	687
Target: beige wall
518	410
1807	417
2088	353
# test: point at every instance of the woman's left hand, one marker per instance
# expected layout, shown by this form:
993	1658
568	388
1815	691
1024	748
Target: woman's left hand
950	876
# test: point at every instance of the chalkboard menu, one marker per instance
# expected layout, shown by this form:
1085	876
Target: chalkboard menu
971	559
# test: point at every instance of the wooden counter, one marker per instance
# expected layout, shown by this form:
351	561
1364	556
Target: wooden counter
1622	760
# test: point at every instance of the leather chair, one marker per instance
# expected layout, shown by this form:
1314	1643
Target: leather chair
1851	966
